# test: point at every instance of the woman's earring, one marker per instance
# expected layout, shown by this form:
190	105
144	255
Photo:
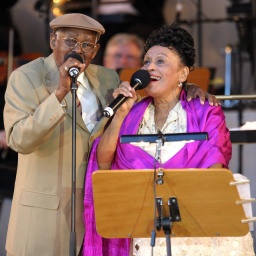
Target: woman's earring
180	84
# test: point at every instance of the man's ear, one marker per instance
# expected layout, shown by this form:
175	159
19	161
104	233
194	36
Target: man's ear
53	39
184	74
95	50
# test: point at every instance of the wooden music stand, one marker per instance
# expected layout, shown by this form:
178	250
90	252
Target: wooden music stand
207	201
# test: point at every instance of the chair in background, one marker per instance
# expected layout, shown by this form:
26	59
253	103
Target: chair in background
126	74
27	57
200	76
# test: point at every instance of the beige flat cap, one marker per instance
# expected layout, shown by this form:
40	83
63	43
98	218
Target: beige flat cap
77	20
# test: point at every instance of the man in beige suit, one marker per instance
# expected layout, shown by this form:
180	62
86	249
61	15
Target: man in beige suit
38	125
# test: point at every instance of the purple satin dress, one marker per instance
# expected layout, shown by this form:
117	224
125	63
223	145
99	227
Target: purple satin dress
198	154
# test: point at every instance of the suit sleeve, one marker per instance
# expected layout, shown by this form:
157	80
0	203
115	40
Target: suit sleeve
28	119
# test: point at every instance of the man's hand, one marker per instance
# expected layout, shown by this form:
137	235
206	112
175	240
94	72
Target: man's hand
194	91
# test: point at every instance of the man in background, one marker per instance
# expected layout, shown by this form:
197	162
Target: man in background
124	50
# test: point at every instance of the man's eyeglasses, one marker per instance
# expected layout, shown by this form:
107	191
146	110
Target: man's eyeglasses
72	43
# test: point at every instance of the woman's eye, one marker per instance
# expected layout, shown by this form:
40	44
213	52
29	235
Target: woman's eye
160	61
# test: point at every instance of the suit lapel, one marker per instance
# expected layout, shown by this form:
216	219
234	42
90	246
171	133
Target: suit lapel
94	81
91	74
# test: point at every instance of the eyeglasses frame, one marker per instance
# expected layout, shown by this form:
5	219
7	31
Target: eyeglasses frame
65	38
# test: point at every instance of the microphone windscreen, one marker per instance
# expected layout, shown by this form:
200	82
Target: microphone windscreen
75	56
142	76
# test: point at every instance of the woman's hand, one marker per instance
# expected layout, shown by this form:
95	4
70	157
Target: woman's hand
129	92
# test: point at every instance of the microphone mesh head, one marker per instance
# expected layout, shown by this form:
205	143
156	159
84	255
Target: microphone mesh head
142	76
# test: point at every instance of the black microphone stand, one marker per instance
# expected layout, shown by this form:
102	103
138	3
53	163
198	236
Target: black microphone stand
72	248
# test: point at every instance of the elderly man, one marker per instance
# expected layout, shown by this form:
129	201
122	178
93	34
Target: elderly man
38	125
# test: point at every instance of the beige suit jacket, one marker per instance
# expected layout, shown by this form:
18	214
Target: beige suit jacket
40	130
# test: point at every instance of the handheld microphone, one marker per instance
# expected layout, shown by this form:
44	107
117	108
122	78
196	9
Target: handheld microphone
139	80
74	71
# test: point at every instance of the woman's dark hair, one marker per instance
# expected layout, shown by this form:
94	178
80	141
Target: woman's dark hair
177	38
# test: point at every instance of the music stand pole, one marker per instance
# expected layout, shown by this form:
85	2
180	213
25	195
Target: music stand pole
72	248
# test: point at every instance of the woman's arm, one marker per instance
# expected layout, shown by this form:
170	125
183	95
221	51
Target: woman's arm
108	142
